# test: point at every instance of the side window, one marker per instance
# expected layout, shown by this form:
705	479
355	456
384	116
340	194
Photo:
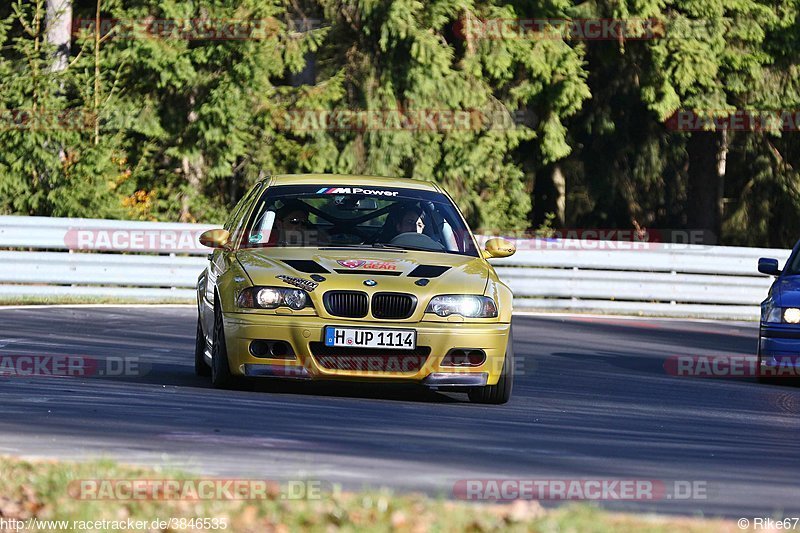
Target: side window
236	220
232	217
240	218
261	222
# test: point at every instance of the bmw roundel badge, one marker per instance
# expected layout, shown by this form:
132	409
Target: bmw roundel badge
370	282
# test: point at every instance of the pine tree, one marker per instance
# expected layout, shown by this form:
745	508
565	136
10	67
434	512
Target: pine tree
49	164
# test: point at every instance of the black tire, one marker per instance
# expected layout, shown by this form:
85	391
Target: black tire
200	367
500	393
221	377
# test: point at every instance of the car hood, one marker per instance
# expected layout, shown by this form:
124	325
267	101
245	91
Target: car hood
788	291
348	269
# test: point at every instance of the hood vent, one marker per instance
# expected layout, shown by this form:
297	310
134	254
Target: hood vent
428	271
307	266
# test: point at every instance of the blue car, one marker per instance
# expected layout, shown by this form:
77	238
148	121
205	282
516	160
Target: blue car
779	330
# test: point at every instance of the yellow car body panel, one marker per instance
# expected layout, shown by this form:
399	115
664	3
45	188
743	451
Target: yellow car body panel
334	180
300	331
233	270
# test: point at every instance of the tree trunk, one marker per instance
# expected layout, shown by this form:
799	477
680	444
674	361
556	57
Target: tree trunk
707	154
193	172
59	31
560	199
549	196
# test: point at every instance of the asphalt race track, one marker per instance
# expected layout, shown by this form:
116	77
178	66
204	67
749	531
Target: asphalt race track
592	401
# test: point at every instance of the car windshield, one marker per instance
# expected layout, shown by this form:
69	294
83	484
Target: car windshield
349	216
792	268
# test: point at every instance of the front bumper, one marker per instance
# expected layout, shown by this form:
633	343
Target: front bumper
304	333
779	346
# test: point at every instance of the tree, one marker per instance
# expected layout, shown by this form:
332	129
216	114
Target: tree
708	61
49	164
406	59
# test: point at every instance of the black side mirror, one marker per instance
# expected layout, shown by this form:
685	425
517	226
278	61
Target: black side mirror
769	266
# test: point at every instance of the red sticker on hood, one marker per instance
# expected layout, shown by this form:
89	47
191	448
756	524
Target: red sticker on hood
351	263
368	265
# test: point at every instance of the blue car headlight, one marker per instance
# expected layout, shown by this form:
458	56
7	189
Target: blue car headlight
791	315
771	314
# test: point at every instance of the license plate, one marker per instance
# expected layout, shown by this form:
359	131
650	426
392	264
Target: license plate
397	339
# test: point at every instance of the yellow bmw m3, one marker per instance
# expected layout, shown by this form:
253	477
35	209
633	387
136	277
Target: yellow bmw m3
328	277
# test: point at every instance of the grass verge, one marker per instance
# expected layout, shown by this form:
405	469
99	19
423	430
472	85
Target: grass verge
46	490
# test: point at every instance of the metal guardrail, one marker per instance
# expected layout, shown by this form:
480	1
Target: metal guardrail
632	278
47	257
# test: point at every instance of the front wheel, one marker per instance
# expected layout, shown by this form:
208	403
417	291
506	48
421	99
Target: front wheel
221	377
200	366
501	392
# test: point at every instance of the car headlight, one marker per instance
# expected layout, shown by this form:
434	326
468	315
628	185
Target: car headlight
466	305
273	297
771	314
791	315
